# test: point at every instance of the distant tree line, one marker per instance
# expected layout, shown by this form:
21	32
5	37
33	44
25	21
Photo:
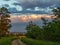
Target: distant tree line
50	30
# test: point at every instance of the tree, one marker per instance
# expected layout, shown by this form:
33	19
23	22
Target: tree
5	22
50	30
33	31
56	12
45	21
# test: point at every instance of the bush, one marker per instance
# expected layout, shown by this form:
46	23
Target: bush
38	42
6	40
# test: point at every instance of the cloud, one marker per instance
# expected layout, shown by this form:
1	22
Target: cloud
30	6
46	10
6	0
19	8
6	5
16	3
19	22
27	18
40	3
12	10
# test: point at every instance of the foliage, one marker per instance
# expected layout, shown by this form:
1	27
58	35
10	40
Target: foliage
33	31
29	41
44	21
6	40
5	22
56	12
50	30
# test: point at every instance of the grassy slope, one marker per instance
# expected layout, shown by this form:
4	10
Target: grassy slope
38	42
6	40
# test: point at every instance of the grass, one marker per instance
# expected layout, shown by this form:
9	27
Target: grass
29	41
6	40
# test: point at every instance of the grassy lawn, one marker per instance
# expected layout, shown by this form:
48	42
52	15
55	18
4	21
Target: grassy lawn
6	40
38	42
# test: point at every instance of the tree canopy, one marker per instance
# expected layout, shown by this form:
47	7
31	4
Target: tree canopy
5	22
50	30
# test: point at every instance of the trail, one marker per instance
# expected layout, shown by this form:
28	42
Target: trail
17	42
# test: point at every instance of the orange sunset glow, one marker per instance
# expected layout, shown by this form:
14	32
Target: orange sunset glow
26	18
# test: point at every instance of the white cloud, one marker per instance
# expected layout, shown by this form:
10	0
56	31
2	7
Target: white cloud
2	2
19	8
10	3
28	9
39	9
47	9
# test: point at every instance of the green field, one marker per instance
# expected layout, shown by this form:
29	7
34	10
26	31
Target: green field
38	42
6	40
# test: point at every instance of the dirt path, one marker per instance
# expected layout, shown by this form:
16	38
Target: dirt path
17	42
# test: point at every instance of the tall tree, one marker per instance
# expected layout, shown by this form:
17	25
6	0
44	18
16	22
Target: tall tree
5	22
56	12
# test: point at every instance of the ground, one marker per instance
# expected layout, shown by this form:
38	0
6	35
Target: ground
17	42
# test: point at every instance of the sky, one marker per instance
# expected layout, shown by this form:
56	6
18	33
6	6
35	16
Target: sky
19	22
30	6
23	11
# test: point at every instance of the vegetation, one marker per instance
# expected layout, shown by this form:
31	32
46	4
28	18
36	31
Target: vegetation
29	41
4	21
49	31
57	12
33	30
6	40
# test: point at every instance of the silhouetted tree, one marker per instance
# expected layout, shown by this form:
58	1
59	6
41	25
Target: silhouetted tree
5	22
56	12
50	30
33	30
45	21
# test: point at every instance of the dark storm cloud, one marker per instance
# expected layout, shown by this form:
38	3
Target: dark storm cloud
6	5
45	5
12	10
6	0
42	4
39	3
16	3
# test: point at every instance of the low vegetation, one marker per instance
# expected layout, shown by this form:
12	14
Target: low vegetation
29	41
6	40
